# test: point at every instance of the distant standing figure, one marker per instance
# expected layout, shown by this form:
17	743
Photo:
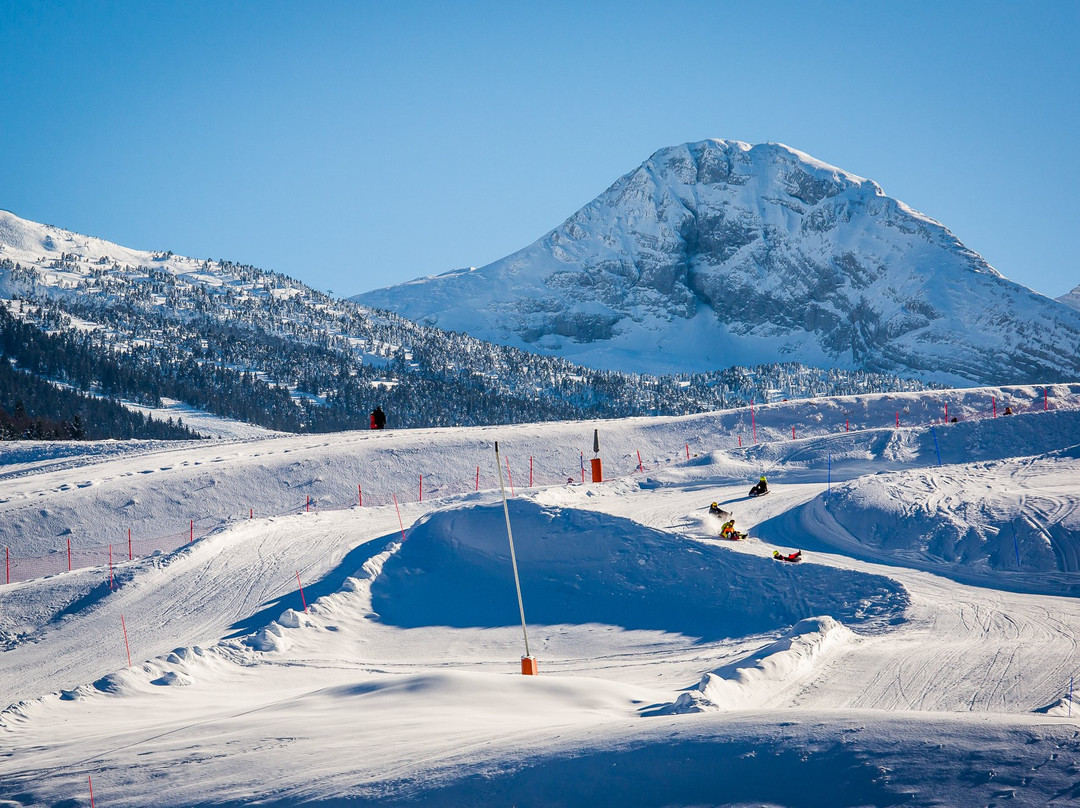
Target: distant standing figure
1008	410
378	418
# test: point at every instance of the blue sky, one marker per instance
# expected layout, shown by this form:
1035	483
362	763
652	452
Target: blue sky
353	145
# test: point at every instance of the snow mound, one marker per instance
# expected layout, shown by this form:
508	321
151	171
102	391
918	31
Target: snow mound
752	681
582	567
1015	522
1066	707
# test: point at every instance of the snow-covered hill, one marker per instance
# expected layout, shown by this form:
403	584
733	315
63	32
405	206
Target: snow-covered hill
889	667
262	348
718	253
1071	298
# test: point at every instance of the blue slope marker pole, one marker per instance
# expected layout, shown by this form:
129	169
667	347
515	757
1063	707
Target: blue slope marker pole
936	448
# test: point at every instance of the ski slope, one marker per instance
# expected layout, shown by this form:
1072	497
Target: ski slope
909	659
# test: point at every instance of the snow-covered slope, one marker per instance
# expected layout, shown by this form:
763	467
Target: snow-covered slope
718	253
675	668
1071	298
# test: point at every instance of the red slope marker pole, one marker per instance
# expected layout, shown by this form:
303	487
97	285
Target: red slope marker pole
583	467
688	451
477	478
400	523
91	784
946	412
740	441
639	466
69	554
123	625
898	419
130	556
994	401
1046	400
302	598
793	432
191	535
360	495
847	425
421	487
530	471
307	507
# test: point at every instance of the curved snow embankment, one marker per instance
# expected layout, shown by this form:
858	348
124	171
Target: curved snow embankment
585	567
752	682
1013	523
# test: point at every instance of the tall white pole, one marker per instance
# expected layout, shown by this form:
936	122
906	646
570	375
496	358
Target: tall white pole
513	556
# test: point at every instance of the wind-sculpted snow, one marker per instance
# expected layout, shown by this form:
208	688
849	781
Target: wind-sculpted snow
582	567
718	252
1016	522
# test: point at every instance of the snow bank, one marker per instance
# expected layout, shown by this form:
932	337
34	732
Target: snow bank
580	567
752	681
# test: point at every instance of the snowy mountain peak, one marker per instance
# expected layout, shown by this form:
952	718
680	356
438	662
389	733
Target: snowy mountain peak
720	252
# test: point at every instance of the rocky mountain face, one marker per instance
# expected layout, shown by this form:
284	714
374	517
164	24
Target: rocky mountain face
717	253
1071	298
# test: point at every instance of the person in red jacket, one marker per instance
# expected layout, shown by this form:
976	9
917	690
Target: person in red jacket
378	418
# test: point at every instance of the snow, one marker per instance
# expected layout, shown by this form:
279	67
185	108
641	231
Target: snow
890	666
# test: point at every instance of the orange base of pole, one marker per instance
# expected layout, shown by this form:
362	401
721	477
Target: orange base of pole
597	471
528	666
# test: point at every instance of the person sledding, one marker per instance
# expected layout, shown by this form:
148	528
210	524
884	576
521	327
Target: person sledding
762	487
718	512
728	531
793	557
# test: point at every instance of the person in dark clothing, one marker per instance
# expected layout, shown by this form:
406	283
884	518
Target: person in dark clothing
796	556
378	418
762	487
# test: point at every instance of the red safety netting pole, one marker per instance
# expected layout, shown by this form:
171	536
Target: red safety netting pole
123	625
360	495
530	471
740	441
847	425
302	598
130	556
421	487
307	507
994	401
91	784
639	466
1046	400
793	432
191	536
477	478
69	554
898	419
688	451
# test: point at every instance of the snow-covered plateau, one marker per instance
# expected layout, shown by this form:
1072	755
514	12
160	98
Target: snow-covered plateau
719	253
923	652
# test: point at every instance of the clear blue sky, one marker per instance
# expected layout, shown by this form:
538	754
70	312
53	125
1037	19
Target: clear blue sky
353	144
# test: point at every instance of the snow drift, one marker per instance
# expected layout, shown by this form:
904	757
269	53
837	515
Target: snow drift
584	567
